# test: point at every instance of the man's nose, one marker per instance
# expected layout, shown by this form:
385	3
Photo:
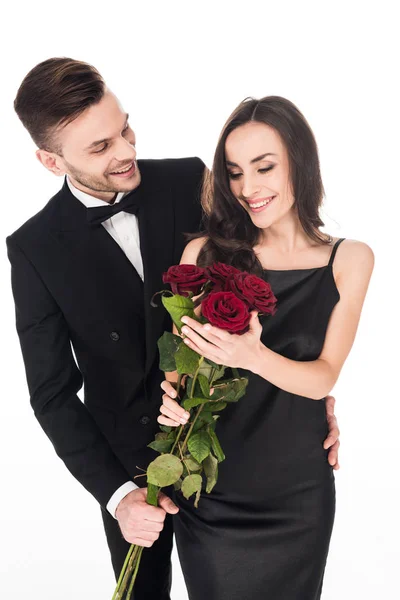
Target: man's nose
124	150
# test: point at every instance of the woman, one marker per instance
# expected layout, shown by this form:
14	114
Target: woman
264	531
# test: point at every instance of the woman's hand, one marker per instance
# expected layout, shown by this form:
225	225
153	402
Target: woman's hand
172	413
230	350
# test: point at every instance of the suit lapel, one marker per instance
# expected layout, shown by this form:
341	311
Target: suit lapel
105	272
156	226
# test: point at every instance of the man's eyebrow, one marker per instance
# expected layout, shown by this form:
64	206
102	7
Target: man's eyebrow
253	160
105	140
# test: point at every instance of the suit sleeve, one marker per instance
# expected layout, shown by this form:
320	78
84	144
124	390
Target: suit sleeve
54	380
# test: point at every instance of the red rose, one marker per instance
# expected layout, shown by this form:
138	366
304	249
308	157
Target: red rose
185	278
219	273
226	311
253	290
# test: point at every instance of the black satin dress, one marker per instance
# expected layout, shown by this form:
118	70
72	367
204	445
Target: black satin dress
264	531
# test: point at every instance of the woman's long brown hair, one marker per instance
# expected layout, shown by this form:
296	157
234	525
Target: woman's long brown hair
230	232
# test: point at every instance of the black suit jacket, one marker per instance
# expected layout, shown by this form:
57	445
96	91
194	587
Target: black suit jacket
76	291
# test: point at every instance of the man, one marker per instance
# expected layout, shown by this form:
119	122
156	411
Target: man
84	270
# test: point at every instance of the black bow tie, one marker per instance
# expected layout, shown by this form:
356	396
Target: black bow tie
99	214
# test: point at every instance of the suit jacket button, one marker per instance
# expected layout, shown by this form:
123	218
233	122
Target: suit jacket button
114	336
144	420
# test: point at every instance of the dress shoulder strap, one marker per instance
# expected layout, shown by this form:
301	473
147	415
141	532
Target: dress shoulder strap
334	249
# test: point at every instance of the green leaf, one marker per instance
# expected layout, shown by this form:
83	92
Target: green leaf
213	424
205	386
199	445
161	446
213	364
152	494
191	464
206	369
161	436
211	472
164	470
189	403
191	484
196	501
168	344
215	406
230	391
199	425
206	417
166	428
177	484
216	446
186	360
178	306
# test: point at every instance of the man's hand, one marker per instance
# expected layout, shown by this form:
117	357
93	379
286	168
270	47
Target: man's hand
332	441
141	523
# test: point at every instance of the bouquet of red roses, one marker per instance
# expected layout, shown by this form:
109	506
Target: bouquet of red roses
226	297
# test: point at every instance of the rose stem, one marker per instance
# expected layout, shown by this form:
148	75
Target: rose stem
119	593
121	575
191	396
134	574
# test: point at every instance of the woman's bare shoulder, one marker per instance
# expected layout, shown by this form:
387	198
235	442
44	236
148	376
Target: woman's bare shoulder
354	260
192	250
355	252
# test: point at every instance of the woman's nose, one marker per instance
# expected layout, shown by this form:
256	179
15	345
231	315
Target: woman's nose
250	187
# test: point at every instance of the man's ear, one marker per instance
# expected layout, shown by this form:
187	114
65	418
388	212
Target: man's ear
51	161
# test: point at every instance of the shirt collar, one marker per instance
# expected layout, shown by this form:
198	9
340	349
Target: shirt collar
88	200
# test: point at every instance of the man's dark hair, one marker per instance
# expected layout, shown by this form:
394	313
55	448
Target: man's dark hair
53	94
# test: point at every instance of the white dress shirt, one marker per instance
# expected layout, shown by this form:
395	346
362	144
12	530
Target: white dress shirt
124	229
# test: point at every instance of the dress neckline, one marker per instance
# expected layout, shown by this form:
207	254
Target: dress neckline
329	265
294	270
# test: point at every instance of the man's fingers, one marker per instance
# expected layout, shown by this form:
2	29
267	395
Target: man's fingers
332	437
147	526
330	405
334	453
140	542
167	504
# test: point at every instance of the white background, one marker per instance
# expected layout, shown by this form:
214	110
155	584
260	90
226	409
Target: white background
180	68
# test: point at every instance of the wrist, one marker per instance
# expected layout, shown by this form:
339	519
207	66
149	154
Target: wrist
126	500
258	359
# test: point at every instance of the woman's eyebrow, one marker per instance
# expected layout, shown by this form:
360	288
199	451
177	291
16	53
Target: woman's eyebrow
253	160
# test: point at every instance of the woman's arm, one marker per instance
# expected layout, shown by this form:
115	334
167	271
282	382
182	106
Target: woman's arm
173	414
314	379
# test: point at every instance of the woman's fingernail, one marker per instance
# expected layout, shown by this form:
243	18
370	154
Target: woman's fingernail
185	330
184	320
183	421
